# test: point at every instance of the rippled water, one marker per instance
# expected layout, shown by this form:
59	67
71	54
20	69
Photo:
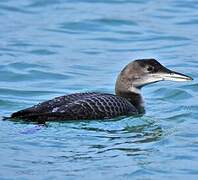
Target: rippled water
54	47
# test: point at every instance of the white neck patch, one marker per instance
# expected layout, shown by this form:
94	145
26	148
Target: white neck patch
134	90
137	91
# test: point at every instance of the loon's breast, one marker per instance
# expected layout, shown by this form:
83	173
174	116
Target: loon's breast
79	106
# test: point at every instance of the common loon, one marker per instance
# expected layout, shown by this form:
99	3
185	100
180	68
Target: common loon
127	101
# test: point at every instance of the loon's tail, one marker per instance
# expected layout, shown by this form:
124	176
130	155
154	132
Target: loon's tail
4	118
31	118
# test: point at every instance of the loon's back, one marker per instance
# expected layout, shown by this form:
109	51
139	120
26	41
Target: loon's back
78	106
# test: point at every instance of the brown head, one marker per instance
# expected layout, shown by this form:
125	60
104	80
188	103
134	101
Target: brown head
143	72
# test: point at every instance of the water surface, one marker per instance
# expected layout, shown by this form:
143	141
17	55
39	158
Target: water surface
50	48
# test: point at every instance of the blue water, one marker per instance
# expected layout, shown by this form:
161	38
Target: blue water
54	47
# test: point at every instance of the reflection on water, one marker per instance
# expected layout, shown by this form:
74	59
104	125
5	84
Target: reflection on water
51	48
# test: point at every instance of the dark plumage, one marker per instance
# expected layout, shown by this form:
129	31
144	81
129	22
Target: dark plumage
127	101
79	106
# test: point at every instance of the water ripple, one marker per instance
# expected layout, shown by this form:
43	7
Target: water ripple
55	47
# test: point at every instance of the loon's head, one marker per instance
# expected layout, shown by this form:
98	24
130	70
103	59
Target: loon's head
145	71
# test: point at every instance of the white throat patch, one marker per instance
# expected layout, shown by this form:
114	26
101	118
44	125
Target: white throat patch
137	91
134	89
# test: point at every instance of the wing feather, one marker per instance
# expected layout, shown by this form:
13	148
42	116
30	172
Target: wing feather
79	106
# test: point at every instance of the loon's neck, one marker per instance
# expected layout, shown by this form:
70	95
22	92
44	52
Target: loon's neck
134	97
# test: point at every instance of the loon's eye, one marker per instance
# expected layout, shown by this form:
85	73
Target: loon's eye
150	68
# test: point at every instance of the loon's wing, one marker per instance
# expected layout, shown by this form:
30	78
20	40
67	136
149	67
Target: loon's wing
48	106
92	106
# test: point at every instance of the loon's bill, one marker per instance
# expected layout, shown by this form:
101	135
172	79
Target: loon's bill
171	76
175	76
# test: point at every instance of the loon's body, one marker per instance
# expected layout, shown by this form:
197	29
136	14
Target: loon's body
79	106
127	101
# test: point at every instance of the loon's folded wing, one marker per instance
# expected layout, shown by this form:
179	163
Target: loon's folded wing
48	106
98	106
